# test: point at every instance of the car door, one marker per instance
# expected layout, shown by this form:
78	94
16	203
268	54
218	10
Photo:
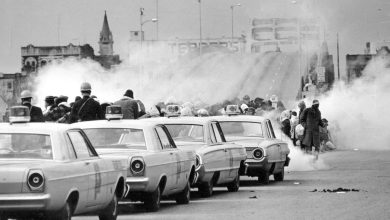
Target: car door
170	163
223	152
272	137
85	153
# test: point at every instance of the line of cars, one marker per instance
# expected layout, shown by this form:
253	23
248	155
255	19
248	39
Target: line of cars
55	171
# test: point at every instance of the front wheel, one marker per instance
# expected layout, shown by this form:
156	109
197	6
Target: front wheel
279	176
235	185
184	196
152	202
111	211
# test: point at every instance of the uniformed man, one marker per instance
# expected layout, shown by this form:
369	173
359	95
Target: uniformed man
86	109
35	112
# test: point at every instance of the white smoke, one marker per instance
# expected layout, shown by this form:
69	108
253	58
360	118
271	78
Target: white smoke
214	77
358	112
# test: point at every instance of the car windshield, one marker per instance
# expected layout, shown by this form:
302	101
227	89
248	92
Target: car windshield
234	130
25	146
186	132
117	138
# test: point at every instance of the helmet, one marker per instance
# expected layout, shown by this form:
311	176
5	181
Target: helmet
25	94
203	112
246	97
85	86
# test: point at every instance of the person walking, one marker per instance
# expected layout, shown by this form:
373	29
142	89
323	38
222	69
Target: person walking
36	114
86	109
129	105
311	120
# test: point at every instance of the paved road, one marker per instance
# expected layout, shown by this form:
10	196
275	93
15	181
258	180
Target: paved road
367	171
273	74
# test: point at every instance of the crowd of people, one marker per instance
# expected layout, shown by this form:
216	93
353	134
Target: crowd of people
305	126
308	128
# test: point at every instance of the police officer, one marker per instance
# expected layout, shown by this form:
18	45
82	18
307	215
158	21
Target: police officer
86	109
35	112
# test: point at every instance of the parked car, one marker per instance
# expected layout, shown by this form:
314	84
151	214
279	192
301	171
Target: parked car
156	167
51	171
266	155
217	162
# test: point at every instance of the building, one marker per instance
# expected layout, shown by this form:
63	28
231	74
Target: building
35	57
356	63
11	85
107	58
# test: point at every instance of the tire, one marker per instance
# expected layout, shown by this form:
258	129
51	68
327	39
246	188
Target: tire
152	202
264	178
279	176
235	185
184	196
206	189
111	211
64	214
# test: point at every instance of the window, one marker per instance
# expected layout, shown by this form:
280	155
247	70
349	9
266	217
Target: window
216	132
234	130
186	132
9	85
271	130
80	145
165	143
30	146
116	138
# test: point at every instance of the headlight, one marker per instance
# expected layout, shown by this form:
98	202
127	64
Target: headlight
137	165
35	180
198	162
258	153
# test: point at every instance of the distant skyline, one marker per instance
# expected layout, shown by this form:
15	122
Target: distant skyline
58	22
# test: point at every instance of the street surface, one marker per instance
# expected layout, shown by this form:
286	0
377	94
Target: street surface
366	171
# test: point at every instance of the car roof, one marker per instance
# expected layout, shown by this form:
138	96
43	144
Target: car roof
249	118
181	120
34	127
137	124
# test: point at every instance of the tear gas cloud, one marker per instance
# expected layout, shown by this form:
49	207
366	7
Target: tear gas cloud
358	113
214	77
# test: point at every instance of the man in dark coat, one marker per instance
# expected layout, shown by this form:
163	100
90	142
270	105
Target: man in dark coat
36	114
129	105
86	109
311	121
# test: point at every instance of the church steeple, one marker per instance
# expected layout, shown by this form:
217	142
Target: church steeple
106	41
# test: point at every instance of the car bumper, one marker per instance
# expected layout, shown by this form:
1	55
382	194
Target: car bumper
137	183
24	201
255	167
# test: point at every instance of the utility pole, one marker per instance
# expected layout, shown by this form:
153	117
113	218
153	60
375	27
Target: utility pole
200	27
338	57
157	19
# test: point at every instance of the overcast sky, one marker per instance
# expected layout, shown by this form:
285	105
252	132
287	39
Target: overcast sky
38	22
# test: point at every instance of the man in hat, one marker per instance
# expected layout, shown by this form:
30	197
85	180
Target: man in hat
86	109
311	120
129	105
35	112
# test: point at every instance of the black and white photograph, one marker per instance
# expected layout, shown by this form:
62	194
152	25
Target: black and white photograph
194	109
